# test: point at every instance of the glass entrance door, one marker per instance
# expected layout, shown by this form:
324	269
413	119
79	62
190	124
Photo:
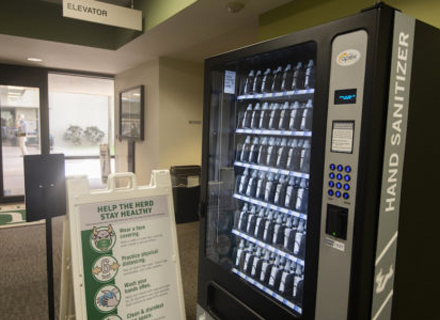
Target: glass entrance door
20	134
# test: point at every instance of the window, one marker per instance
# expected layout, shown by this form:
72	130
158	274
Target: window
20	133
81	117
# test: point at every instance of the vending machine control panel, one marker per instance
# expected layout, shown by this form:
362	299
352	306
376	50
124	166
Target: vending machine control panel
345	103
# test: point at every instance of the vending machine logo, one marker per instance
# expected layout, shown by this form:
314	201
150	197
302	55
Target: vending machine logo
348	57
382	279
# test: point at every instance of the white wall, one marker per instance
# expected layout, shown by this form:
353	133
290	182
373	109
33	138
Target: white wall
173	98
181	101
147	151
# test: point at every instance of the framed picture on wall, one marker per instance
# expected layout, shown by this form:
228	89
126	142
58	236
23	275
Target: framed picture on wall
131	114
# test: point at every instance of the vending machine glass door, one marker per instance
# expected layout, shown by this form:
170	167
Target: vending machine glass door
260	137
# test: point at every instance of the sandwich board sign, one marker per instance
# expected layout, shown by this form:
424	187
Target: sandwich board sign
123	246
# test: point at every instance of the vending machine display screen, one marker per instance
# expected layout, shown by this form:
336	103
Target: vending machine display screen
347	96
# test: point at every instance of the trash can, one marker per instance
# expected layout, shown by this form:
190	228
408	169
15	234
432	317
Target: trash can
186	192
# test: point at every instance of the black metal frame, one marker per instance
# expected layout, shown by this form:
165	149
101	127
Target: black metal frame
141	114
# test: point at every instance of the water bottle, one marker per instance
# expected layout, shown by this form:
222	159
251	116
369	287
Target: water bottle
274	116
247	117
283	123
269	193
264	116
244	180
238	150
286	283
240	255
272	152
286	83
252	184
294	155
290	245
280	192
309	80
295	116
283	152
253	151
297	156
290	145
268	227
257	82
292	193
251	220
269	259
249	83
298	77
298	238
302	247
242	220
244	156
306	120
262	152
276	272
297	291
256	263
266	85
303	196
248	257
261	185
259	223
277	79
287	230
305	157
278	231
255	119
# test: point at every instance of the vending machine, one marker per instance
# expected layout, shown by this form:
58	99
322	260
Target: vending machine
320	174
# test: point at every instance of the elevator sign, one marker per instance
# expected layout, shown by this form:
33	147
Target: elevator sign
103	13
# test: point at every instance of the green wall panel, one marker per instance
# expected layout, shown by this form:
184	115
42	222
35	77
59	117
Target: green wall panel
158	11
302	14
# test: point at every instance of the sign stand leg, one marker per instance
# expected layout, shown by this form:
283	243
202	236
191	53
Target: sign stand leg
49	263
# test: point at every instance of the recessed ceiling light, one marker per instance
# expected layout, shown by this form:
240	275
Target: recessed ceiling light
234	7
34	59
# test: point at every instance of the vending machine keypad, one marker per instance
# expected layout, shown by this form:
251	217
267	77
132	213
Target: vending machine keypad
339	181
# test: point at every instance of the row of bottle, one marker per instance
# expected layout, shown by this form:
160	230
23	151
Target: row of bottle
275	272
281	190
275	116
282	153
301	76
275	228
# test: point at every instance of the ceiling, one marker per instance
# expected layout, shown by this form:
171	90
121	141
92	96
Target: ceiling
203	29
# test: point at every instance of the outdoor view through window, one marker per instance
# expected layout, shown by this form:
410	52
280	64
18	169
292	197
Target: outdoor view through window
20	132
80	119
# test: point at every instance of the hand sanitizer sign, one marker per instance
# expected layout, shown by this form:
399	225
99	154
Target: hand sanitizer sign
127	266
